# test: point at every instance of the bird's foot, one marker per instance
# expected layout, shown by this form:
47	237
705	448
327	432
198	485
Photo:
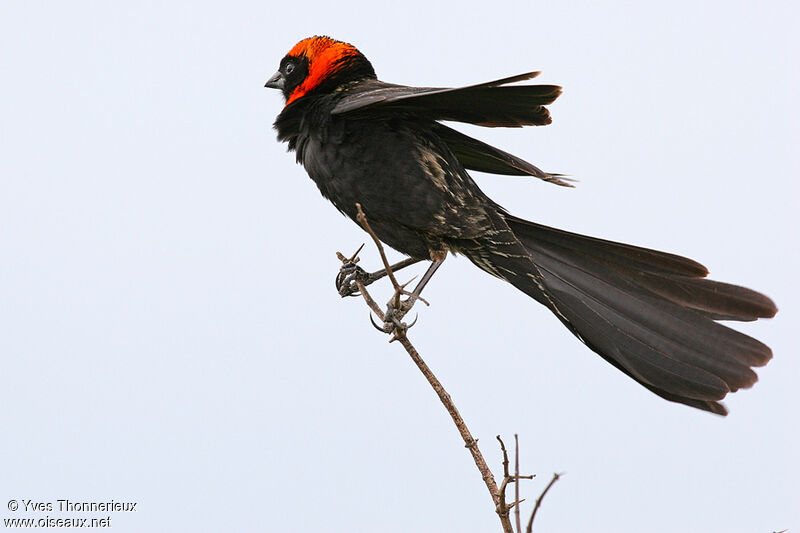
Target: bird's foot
352	280
397	308
349	274
346	279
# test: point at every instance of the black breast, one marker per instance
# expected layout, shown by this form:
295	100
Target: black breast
415	193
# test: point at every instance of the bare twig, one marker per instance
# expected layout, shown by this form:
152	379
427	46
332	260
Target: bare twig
539	501
470	442
400	335
508	478
516	485
398	331
362	219
502	507
505	455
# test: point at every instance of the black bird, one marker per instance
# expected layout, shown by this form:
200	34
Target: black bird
650	314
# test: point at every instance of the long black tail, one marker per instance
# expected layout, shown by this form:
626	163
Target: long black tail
648	313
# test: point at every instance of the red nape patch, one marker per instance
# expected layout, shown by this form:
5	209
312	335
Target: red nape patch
324	55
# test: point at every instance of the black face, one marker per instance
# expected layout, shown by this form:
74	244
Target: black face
328	76
294	70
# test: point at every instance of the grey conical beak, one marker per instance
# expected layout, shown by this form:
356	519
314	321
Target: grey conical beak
276	81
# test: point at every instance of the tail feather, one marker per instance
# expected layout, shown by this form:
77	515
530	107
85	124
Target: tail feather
669	276
714	299
657	333
639	352
649	313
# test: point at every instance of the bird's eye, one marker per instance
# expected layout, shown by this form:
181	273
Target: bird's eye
288	68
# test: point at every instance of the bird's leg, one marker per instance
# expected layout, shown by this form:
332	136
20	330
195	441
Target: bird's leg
350	272
414	296
397	309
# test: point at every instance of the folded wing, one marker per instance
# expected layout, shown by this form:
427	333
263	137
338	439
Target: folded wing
491	104
477	155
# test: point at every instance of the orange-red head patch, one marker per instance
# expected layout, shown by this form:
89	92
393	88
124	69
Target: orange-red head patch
326	58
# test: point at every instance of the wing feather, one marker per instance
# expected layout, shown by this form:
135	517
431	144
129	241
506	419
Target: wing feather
477	155
491	104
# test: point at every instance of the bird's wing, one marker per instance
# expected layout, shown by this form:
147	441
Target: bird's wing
477	155
491	104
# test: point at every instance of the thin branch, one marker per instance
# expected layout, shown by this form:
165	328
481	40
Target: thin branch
508	478
539	501
370	302
469	441
502	507
362	219
505	455
516	485
400	335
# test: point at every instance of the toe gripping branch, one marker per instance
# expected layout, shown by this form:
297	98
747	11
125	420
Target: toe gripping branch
348	274
352	281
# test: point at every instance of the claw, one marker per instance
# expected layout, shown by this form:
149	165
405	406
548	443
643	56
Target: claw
376	325
416	316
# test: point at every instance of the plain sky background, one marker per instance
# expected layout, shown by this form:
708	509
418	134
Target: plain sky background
170	333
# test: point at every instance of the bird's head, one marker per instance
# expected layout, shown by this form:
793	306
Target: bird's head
319	65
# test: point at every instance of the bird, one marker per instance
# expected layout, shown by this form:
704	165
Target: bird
651	314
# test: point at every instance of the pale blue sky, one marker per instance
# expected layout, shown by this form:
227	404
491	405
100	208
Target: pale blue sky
169	329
